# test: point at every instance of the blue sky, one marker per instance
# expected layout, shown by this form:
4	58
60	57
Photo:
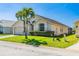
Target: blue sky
64	13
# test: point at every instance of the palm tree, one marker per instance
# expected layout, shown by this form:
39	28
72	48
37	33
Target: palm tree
25	15
32	24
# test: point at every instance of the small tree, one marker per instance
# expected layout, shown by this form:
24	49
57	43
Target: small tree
32	24
25	15
65	39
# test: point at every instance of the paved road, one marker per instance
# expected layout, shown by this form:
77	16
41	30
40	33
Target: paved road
18	49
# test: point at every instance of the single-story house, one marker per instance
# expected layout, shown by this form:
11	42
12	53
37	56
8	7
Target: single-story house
6	26
77	28
42	24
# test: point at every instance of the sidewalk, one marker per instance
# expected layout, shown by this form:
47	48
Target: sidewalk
7	36
74	47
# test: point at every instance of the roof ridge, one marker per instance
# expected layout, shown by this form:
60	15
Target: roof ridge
53	20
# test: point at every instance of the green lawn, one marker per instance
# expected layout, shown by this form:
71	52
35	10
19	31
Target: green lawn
60	44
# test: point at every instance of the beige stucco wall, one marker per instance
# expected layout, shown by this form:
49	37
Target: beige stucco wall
18	28
56	28
77	29
49	26
36	25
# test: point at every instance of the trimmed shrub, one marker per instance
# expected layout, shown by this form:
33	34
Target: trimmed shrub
58	39
42	33
34	42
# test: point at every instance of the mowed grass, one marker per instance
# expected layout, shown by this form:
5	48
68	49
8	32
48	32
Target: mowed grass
60	44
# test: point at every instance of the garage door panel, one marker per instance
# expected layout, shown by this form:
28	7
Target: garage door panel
18	31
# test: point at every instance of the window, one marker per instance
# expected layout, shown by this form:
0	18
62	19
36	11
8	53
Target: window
41	27
1	29
61	30
76	26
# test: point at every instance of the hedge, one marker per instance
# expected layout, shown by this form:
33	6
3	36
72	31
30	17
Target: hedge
42	33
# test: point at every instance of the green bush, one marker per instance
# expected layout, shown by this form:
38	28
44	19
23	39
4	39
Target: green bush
42	33
34	42
44	43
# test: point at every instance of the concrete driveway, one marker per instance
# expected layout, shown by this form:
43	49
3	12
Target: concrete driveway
6	36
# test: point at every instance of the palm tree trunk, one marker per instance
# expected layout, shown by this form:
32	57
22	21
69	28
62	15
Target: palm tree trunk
32	27
25	33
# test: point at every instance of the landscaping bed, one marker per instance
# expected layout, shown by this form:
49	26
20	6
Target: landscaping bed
50	42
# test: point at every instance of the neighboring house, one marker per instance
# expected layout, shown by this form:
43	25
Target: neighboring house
42	24
77	28
6	26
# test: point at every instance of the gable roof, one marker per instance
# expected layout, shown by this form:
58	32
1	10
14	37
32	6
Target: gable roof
51	20
76	21
6	23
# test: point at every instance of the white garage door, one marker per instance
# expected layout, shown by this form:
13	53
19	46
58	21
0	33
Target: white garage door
18	30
